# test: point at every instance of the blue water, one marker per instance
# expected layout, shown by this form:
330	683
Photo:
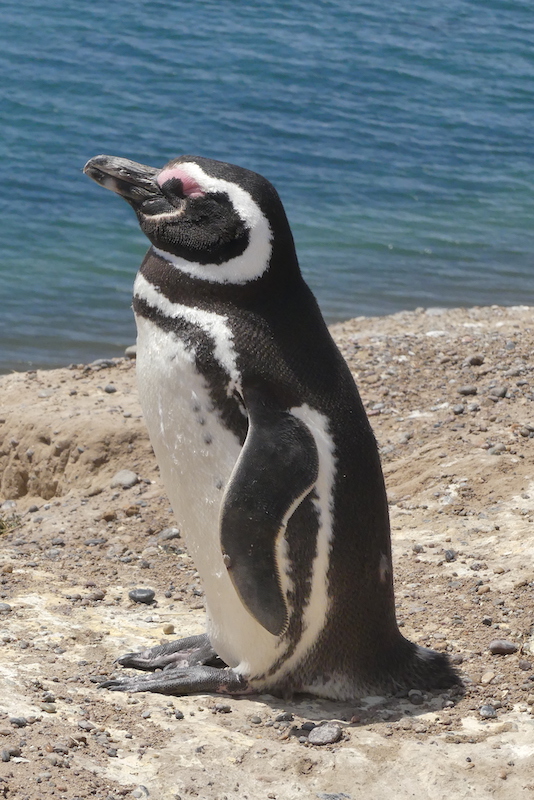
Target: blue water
400	136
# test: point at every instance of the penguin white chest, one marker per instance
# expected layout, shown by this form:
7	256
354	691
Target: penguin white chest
196	454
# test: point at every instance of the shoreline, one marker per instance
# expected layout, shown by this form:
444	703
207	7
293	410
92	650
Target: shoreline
119	351
450	394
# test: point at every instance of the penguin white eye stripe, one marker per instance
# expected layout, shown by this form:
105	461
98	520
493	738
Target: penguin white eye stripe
246	267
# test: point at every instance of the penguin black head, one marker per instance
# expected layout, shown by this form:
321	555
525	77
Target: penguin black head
212	220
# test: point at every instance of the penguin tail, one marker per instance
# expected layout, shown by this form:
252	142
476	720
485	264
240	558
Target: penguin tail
422	668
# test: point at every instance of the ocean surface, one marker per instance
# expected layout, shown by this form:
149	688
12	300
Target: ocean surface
400	136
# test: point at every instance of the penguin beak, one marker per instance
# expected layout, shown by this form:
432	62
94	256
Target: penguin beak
135	182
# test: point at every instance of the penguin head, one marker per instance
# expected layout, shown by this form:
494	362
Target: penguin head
211	220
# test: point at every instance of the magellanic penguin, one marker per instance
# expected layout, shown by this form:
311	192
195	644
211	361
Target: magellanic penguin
264	449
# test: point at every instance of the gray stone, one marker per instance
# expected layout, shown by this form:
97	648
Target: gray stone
142	595
125	478
502	647
328	733
487	712
467	390
131	351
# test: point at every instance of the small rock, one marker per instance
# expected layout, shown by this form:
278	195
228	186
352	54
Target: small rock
450	555
418	548
33	509
487	677
499	391
168	534
325	734
487	712
416	697
467	390
484	589
458	409
178	714
110	388
142	595
18	722
474	360
525	665
5	755
286	716
335	796
168	628
140	792
498	570
125	478
49	708
486	620
131	351
456	659
502	647
222	708
497	449
255	720
5	608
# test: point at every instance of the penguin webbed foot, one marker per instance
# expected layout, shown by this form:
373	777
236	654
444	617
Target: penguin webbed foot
183	653
178	681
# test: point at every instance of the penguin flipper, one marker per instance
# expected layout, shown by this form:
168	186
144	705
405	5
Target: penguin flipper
276	469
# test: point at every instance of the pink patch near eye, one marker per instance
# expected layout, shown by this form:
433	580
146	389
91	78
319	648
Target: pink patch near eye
190	187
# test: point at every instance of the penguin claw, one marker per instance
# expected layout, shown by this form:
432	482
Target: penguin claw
179	681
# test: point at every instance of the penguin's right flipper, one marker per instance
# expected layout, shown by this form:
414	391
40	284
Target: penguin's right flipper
178	681
276	470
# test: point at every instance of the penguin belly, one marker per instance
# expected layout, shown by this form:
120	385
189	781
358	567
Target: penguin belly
196	454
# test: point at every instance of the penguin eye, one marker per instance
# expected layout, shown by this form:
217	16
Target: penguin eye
173	188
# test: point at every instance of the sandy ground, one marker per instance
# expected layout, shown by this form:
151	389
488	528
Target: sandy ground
451	398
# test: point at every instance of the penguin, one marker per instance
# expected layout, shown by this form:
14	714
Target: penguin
264	448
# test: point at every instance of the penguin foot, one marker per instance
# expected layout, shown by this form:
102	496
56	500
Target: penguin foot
189	652
177	681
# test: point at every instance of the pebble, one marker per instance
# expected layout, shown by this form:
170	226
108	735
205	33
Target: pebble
499	391
255	720
222	708
131	351
142	595
497	449
484	589
33	509
286	716
450	555
5	608
178	714
467	390
325	734
18	722
526	665
502	647
458	409
110	388
487	712
140	792
168	628
474	360
125	478
487	677
415	696
333	796
456	659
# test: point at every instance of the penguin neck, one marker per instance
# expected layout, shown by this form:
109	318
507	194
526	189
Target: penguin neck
163	272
